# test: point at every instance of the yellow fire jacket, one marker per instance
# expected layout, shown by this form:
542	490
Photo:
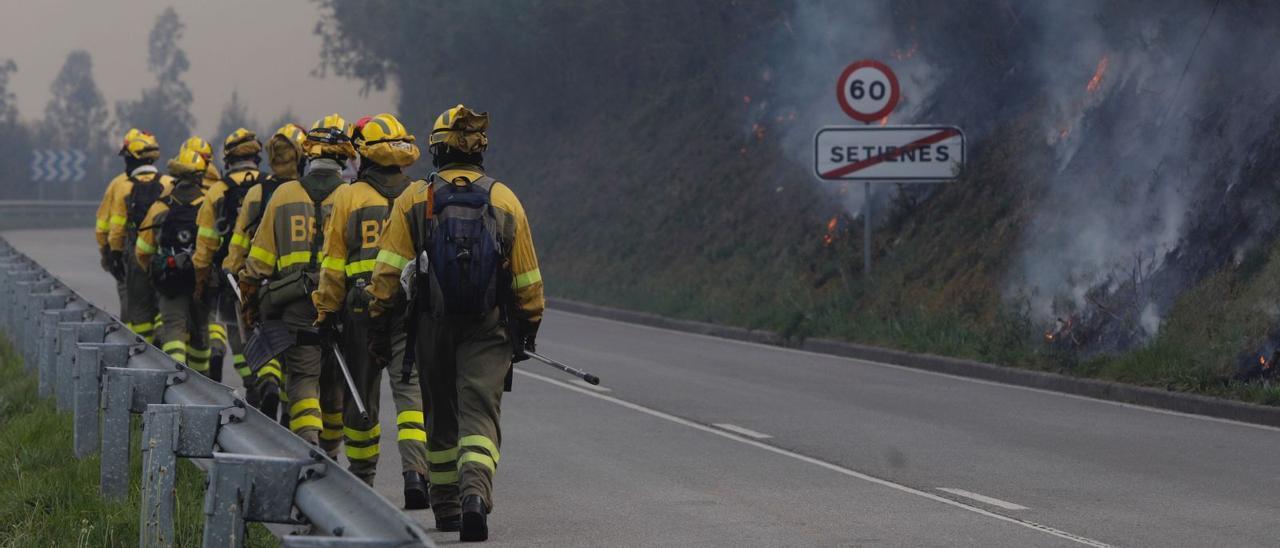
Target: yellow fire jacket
120	227
210	236
103	219
145	246
413	208
247	221
283	241
351	236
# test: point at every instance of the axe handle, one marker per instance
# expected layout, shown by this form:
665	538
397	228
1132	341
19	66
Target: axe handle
351	383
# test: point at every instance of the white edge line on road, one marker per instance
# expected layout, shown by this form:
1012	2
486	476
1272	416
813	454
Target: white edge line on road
590	386
983	498
820	463
926	372
740	430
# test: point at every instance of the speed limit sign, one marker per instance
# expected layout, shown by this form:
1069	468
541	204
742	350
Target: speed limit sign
867	90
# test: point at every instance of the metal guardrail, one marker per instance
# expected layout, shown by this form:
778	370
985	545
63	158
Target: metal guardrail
46	213
260	472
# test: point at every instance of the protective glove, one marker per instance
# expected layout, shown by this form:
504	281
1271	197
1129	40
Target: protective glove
379	340
523	340
327	324
249	306
202	281
105	258
117	264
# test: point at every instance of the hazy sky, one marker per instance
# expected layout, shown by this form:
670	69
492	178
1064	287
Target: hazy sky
263	49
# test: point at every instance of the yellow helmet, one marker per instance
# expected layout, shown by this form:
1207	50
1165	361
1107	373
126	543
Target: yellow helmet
199	145
140	145
187	162
241	142
384	141
329	136
293	132
461	128
284	151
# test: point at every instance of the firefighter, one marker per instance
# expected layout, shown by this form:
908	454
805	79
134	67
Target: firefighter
129	207
103	218
286	254
350	248
240	159
477	311
164	248
284	155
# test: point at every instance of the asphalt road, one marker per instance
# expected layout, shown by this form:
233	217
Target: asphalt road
703	441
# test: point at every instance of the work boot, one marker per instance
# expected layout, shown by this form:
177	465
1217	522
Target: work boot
449	524
475	526
215	367
415	491
268	397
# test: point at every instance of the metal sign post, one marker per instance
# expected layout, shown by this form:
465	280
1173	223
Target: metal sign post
868	91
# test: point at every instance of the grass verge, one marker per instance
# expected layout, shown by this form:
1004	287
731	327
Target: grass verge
51	498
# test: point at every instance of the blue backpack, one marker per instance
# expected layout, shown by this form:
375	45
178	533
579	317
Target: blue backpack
464	249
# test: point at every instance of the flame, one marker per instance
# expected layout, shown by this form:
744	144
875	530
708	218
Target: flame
884	121
758	130
746	99
1096	81
830	236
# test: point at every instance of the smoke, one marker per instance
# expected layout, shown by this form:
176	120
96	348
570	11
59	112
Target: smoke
1141	145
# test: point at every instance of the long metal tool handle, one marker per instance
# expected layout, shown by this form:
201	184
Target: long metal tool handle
235	287
591	379
351	383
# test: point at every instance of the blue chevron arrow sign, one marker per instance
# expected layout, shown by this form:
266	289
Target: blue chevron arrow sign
57	165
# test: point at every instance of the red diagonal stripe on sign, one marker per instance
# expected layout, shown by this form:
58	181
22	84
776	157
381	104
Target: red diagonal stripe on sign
913	145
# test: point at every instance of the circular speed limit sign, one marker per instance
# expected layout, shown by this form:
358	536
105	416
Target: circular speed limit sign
867	90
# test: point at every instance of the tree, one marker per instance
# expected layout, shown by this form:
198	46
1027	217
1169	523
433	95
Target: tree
234	116
15	142
76	118
165	109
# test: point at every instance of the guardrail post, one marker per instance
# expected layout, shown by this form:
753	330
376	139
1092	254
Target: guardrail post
128	391
13	313
171	431
69	335
37	302
88	362
245	488
47	365
22	323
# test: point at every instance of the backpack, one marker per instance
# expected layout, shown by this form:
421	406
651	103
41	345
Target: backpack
269	185
140	199
172	272
464	250
231	202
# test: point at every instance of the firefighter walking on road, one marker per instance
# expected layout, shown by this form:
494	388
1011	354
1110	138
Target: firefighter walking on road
216	221
478	309
350	249
286	253
129	207
164	248
102	226
284	155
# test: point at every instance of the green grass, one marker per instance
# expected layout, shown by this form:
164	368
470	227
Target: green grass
51	499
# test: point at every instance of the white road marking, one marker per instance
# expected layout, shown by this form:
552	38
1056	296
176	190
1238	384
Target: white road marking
590	386
927	372
740	430
820	463
982	498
